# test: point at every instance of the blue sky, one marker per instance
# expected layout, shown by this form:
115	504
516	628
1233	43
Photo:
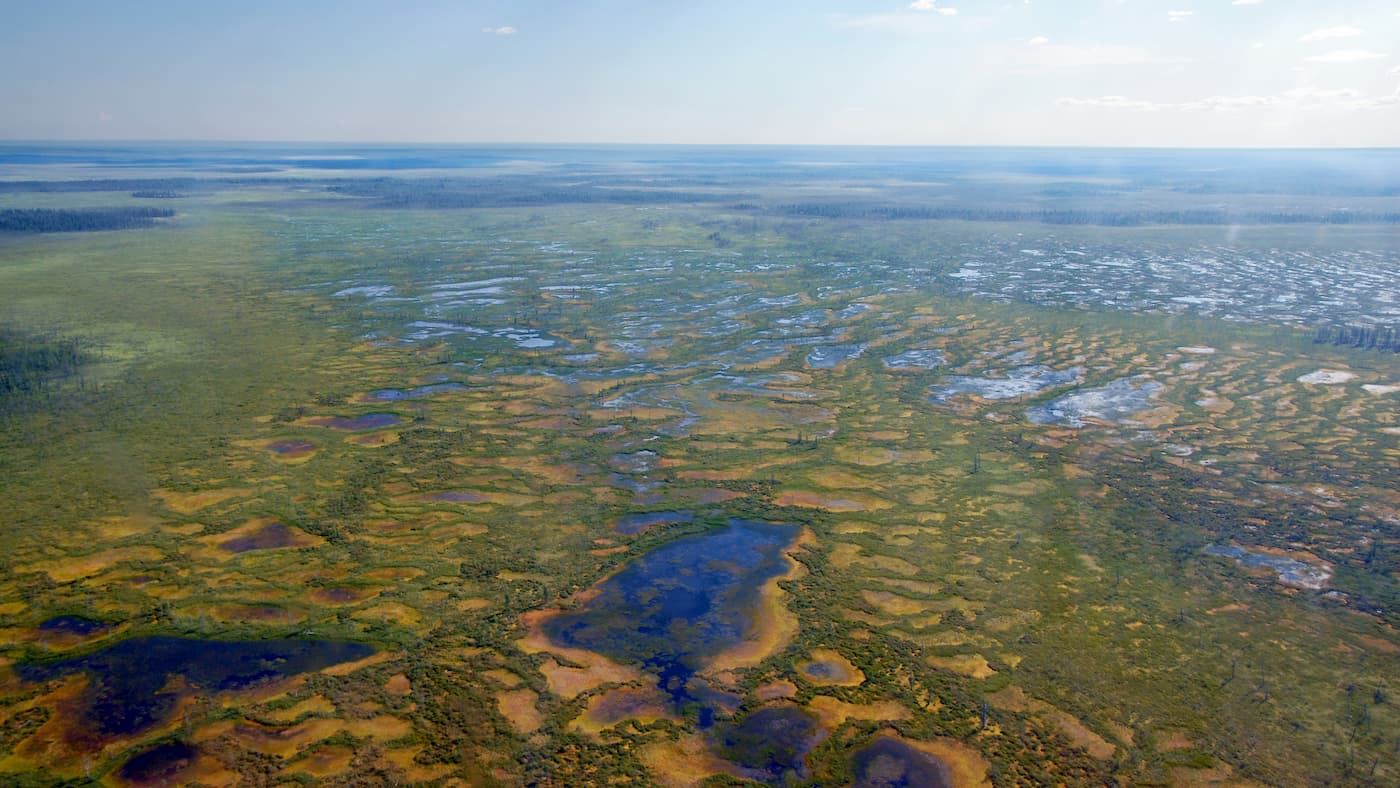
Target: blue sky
927	72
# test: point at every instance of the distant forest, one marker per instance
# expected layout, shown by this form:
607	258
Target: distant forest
456	193
45	220
855	210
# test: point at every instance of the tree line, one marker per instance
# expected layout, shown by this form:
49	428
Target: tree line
1385	338
49	220
1070	216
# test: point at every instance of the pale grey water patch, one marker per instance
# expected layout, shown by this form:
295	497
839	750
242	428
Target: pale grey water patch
1290	571
1019	382
917	359
368	291
830	356
1112	402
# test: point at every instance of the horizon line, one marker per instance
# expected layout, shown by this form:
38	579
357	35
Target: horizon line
562	143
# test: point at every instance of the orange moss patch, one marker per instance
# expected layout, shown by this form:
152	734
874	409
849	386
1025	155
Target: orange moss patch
833	712
326	761
344	595
518	707
232	542
346	668
775	690
290	451
894	604
374	439
683	763
966	766
66	570
1013	698
714	476
386	612
312	705
1171	740
114	528
829	667
191	502
503	677
610	708
242	613
381	728
394	573
398	684
971	665
283	742
852	502
568	682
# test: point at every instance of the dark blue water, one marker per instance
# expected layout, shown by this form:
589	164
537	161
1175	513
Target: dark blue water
72	625
890	763
160	764
771	743
681	604
126	680
270	536
395	395
369	421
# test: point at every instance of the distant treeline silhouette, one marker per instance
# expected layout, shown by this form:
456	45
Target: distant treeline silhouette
46	220
1384	338
457	193
104	185
1071	216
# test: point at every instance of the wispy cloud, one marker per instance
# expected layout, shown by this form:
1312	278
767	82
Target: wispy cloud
1247	2
504	30
1043	53
897	22
1347	56
1179	16
1336	31
1297	99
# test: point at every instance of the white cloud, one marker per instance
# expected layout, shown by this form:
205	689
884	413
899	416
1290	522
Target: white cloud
1394	72
1038	41
1247	2
1179	16
504	30
1346	56
1336	31
932	5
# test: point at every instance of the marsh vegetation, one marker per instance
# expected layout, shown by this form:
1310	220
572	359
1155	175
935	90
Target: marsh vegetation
614	467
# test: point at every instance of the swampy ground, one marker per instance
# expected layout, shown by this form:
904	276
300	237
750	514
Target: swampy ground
668	466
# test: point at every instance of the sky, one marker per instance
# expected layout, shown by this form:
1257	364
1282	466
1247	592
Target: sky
1187	73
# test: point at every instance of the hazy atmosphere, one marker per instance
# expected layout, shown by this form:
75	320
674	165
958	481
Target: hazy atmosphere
833	394
930	72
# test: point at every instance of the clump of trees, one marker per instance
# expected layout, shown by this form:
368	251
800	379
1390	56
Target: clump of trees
48	220
30	366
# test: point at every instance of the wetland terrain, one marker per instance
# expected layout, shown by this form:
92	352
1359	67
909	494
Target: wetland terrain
698	466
